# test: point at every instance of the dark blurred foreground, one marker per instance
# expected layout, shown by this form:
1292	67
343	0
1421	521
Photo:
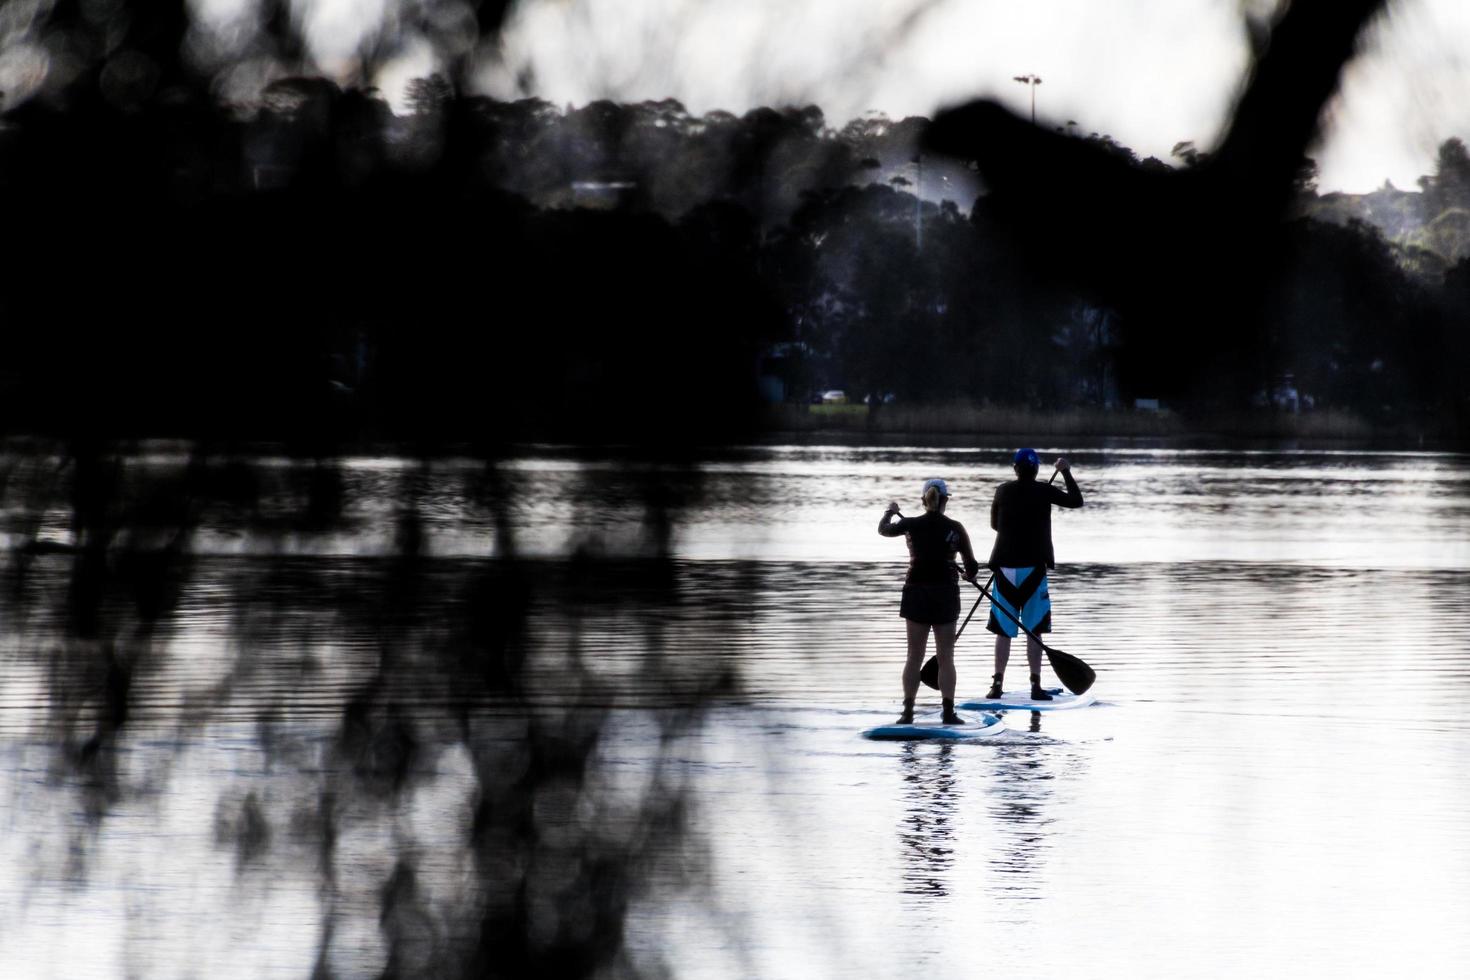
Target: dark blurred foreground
372	687
285	282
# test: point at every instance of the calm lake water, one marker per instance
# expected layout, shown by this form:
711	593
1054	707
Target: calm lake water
1272	783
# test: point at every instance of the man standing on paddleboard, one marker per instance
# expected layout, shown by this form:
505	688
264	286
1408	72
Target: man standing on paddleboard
1020	514
931	592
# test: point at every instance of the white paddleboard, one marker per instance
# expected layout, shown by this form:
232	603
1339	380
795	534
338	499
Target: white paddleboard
976	726
1021	701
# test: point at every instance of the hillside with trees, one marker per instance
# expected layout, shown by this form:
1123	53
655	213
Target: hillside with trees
1429	229
771	243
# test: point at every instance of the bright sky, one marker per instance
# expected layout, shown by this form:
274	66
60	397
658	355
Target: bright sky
1150	73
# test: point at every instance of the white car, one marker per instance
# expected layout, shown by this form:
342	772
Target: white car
834	397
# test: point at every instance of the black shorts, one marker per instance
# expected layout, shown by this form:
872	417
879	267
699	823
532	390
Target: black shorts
932	604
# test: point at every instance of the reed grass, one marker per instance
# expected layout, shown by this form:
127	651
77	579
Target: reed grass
952	418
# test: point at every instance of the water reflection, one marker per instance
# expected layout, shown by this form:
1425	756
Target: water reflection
931	798
1020	794
286	721
386	717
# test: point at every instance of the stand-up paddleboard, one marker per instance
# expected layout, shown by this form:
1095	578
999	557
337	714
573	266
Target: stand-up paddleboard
976	726
1021	701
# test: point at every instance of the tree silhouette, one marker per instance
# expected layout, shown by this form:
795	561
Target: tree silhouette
1187	251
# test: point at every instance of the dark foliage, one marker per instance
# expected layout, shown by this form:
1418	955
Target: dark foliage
1181	255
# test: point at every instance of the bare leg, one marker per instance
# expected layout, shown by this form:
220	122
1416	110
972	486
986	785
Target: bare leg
918	634
944	647
1002	654
1033	658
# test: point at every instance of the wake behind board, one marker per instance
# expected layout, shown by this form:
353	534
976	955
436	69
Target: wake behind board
1021	701
978	726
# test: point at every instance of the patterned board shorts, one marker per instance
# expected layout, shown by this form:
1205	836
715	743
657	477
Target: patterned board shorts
1021	592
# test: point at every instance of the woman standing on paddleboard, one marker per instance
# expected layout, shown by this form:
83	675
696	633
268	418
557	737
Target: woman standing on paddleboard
931	592
1021	517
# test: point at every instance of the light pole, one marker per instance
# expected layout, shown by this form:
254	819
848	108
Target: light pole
1031	81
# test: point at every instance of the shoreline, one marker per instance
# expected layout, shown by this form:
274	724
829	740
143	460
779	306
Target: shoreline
961	425
943	423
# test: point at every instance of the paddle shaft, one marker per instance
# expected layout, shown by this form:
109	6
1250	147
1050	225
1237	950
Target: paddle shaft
1073	672
960	632
985	594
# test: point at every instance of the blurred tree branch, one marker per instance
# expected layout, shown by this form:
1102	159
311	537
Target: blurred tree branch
1179	254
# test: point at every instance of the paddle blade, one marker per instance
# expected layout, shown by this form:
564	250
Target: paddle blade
1075	675
930	674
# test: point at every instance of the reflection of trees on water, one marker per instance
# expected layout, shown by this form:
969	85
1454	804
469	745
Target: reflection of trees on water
372	689
931	812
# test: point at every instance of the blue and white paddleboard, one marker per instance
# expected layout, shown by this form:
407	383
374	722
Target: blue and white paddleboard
1021	701
976	726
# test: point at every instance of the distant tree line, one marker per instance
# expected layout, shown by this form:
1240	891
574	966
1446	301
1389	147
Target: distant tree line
475	266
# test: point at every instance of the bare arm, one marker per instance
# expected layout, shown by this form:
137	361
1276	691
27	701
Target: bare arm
1072	496
887	526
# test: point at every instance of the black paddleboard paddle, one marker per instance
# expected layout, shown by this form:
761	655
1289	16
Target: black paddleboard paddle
1074	674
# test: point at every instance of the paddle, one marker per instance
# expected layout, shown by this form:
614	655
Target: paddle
930	672
1074	674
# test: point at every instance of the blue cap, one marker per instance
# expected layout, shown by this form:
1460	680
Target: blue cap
943	489
1027	458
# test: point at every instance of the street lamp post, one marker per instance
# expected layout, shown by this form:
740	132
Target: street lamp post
1030	81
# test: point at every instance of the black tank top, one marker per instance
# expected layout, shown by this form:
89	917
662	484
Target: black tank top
933	540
